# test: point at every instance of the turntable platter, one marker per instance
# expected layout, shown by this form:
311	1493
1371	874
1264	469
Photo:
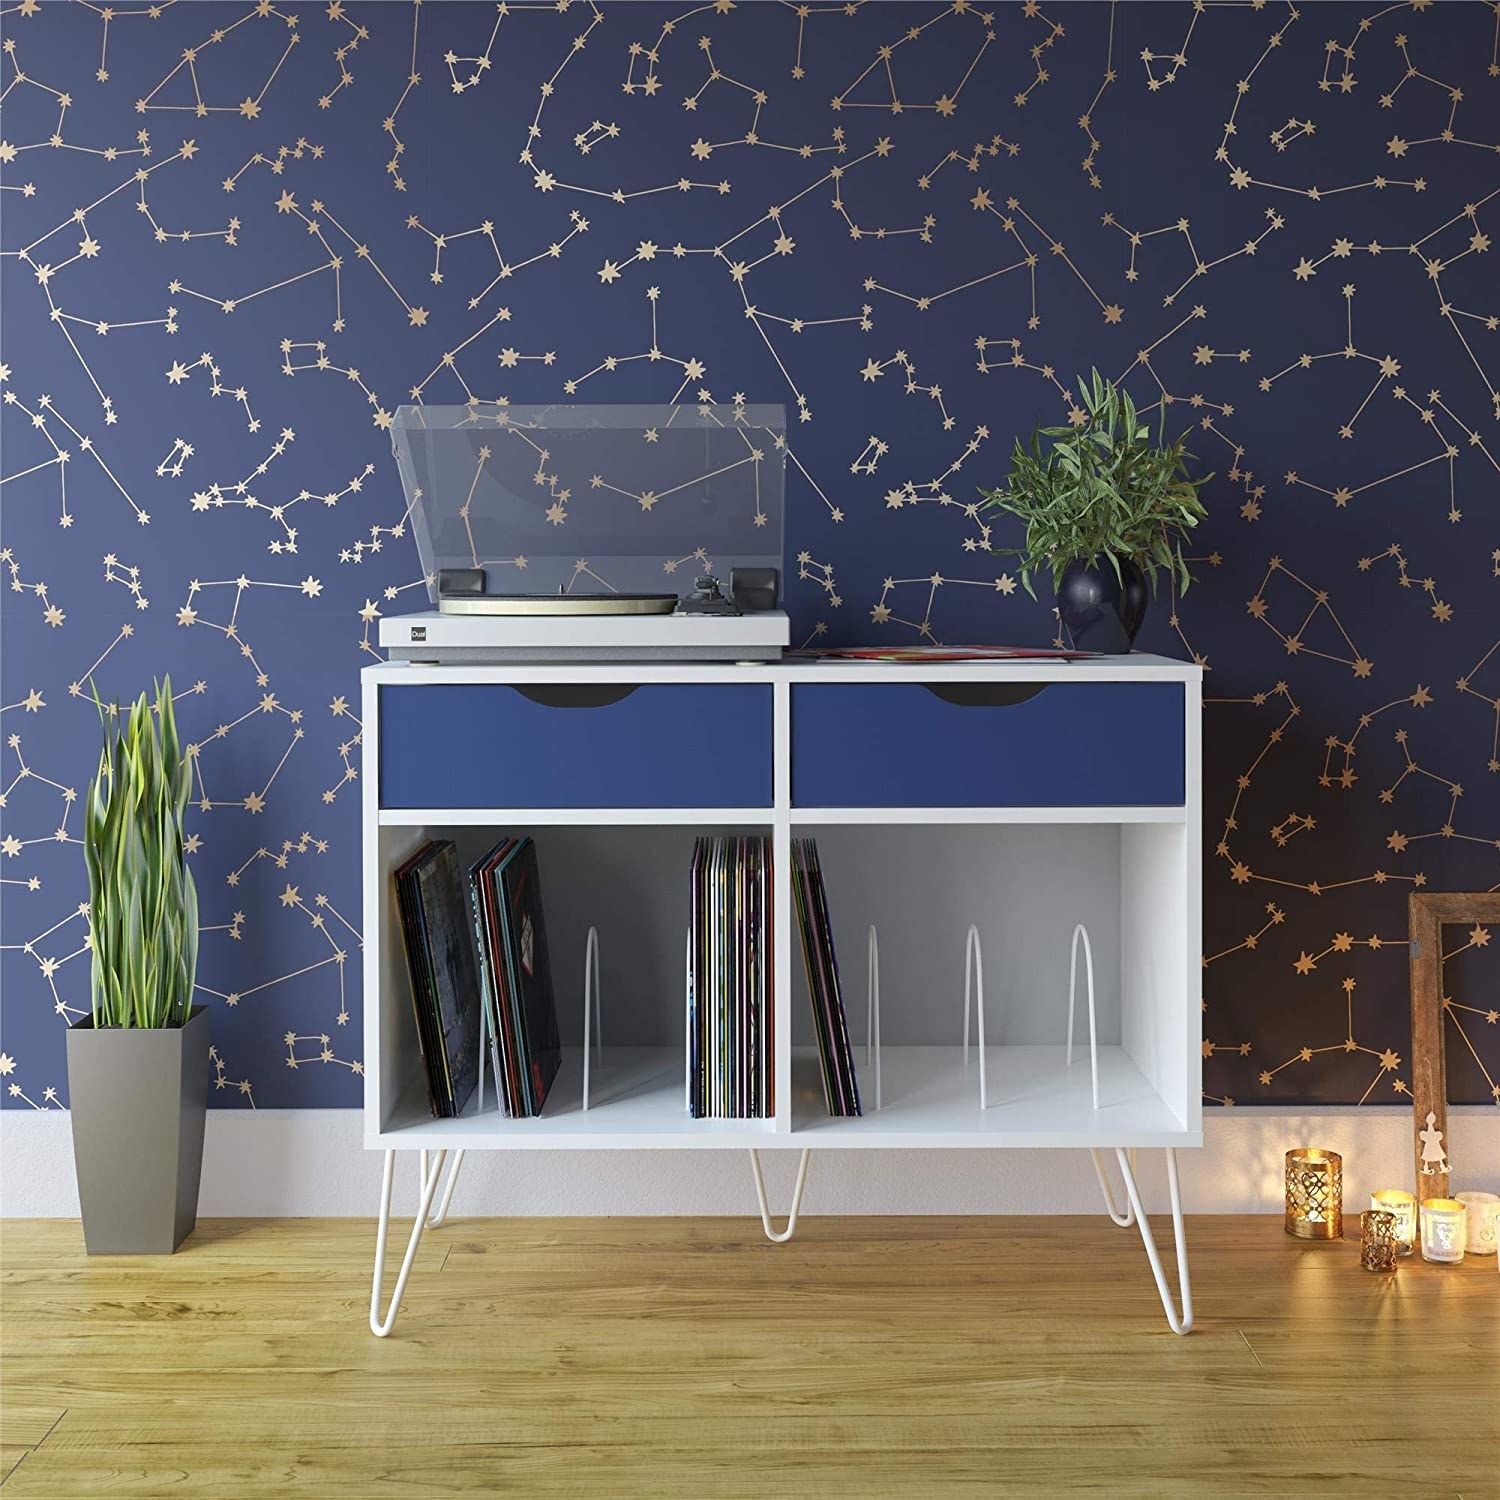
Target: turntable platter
557	604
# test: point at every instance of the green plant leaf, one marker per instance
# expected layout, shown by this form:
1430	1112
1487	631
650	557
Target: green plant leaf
1100	489
143	908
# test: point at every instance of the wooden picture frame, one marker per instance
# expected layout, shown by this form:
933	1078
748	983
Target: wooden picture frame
1428	912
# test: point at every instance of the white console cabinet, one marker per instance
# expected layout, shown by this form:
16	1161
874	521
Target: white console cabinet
1095	761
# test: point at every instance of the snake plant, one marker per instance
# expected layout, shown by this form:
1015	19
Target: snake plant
1101	488
143	906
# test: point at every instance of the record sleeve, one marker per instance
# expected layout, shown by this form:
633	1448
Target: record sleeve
835	1054
414	946
455	981
730	1063
529	965
491	996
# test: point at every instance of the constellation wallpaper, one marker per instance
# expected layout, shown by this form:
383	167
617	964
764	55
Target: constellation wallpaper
237	236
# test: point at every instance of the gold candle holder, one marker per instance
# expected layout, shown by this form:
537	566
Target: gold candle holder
1404	1206
1377	1240
1314	1194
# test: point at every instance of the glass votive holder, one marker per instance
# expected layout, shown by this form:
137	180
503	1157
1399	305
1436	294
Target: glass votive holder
1443	1230
1482	1225
1404	1206
1314	1194
1377	1240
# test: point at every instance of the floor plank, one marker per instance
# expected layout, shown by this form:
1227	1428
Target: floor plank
687	1357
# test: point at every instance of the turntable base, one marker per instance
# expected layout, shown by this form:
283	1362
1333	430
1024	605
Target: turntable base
443	637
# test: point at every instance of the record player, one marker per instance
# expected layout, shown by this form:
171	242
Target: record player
594	533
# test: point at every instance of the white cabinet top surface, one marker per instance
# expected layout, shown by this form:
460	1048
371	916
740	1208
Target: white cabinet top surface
1137	667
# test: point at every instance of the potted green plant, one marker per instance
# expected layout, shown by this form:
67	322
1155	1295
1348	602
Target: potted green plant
138	1064
1106	509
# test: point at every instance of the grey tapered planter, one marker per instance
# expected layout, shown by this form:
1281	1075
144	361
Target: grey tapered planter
138	1097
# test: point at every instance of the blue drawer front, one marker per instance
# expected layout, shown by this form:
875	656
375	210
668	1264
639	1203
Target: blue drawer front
1103	744
661	745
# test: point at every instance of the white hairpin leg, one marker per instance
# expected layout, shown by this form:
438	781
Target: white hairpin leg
435	1221
1123	1217
760	1193
381	1326
1177	1324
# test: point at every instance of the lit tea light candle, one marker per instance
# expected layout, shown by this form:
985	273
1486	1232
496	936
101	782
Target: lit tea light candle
1483	1221
1443	1230
1314	1194
1404	1206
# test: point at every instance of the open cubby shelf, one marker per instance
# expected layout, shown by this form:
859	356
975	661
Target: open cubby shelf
930	1099
635	1100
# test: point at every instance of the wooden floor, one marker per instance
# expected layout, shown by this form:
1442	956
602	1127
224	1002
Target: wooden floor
677	1357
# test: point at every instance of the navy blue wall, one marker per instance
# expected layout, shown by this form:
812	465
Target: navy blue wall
917	222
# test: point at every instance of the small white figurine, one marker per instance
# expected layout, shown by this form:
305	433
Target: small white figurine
1434	1158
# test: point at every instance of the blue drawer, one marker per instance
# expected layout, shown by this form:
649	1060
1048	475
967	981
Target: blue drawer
1065	744
576	745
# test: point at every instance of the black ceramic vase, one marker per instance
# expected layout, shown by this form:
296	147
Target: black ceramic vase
1100	612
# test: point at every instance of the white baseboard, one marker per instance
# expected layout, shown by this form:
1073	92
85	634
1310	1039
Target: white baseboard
311	1163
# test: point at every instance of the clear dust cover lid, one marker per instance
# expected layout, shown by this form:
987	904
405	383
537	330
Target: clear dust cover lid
593	499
